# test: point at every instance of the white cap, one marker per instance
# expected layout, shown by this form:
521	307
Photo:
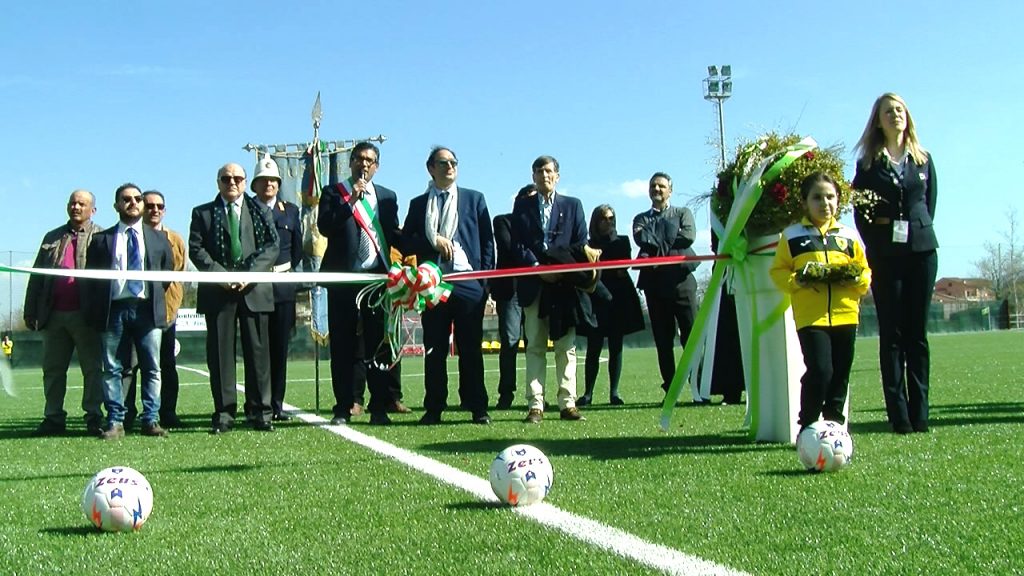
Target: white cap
266	168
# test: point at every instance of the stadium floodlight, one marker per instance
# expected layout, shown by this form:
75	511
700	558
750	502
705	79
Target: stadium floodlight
718	89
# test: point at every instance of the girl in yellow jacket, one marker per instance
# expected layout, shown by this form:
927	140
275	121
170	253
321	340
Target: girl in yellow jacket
821	264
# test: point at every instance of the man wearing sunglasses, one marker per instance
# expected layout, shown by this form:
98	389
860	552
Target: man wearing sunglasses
154	210
450	226
128	311
359	218
235	233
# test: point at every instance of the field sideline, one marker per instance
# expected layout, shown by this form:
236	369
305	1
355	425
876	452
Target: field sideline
302	500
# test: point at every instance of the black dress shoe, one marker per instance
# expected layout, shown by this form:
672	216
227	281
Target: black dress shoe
504	402
614	401
262	426
583	400
281	417
340	420
380	419
430	418
481	418
221	428
48	428
172	422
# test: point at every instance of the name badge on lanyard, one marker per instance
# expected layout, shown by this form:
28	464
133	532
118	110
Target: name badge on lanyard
900	231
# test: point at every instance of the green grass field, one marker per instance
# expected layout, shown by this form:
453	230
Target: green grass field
303	500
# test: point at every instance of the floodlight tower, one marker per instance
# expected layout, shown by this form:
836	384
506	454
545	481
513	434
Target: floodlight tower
718	89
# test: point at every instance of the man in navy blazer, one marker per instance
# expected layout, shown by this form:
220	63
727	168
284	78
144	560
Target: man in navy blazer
547	221
450	226
129	312
360	221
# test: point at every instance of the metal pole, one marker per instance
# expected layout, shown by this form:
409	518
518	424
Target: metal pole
10	293
721	134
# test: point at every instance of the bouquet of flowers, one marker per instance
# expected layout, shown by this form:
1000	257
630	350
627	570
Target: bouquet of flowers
822	273
780	204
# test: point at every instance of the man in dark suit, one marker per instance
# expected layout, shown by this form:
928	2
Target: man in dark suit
360	221
450	226
266	183
235	233
129	312
510	313
543	223
670	290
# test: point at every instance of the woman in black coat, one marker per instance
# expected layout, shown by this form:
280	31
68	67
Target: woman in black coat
616	305
900	242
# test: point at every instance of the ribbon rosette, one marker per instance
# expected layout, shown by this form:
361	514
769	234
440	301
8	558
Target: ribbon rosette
417	288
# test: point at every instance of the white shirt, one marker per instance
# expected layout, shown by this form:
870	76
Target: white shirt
370	195
120	286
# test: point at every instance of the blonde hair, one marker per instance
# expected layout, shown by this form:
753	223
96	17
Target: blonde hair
872	141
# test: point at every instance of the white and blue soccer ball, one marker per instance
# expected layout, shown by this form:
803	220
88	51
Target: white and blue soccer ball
824	446
117	499
521	475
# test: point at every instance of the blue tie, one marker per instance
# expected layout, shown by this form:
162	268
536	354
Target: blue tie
134	261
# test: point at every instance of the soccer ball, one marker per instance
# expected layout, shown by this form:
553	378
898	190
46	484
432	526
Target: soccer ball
824	446
117	499
521	475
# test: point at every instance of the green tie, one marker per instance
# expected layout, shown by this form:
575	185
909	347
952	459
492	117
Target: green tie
236	240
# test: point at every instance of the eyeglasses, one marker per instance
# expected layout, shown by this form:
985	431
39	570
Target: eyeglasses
445	162
154	206
364	160
227	179
131	199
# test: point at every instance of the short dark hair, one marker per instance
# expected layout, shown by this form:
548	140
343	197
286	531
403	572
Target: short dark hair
437	150
815	178
366	145
122	188
660	175
156	192
541	161
527	190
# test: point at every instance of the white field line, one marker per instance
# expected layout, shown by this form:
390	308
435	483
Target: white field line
605	537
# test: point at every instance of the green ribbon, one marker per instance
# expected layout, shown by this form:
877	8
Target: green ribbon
747	192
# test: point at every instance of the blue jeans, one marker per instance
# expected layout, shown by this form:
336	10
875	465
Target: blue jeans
131	323
510	331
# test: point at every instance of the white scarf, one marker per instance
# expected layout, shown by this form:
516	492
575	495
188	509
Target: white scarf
447	222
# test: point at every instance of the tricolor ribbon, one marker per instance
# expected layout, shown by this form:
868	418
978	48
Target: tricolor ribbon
416	289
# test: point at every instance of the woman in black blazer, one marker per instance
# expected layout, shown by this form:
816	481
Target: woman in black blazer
901	247
616	305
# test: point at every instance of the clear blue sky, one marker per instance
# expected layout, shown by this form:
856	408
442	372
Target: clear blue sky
94	94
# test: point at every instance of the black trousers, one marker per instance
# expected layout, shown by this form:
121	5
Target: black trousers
220	360
828	356
343	319
169	383
902	285
394	377
595	345
666	316
282	327
464	320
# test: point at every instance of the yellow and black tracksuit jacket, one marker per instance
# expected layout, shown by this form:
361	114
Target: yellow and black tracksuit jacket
821	303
